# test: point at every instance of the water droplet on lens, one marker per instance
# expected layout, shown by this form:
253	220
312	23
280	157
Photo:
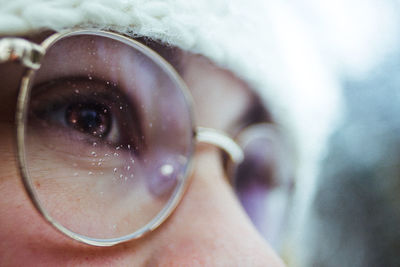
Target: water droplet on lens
76	91
90	173
99	164
94	144
129	146
126	178
128	168
182	160
167	169
118	148
120	107
116	154
115	169
108	82
90	77
120	176
93	153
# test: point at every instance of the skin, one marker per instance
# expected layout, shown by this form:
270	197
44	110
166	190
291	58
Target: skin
208	228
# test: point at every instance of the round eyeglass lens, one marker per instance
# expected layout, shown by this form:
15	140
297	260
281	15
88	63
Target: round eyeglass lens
108	136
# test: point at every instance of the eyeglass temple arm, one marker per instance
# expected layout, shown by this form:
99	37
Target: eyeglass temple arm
24	51
221	140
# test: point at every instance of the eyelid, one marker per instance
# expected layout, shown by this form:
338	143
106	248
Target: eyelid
255	113
97	88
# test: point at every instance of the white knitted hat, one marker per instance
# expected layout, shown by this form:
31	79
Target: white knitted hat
266	43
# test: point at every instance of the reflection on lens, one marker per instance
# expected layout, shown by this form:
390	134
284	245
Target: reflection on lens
108	136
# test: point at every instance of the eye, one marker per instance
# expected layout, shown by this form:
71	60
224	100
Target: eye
87	110
90	118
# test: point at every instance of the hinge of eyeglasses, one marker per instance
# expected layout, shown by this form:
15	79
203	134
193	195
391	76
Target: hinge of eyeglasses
221	140
17	49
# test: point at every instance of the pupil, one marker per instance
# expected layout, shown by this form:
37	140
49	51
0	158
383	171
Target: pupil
92	119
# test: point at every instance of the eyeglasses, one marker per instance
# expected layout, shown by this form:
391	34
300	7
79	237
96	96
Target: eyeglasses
105	134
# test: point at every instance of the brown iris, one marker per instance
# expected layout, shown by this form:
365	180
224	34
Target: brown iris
89	118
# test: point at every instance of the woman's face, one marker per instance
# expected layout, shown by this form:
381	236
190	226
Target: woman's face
209	226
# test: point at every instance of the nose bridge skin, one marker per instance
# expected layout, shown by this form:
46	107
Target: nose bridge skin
209	228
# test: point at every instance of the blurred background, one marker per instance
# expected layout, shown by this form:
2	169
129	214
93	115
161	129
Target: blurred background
349	213
354	215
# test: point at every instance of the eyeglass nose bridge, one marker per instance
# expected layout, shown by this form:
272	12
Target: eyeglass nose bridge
17	49
221	140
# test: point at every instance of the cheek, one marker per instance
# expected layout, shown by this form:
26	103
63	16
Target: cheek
18	219
20	225
27	238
